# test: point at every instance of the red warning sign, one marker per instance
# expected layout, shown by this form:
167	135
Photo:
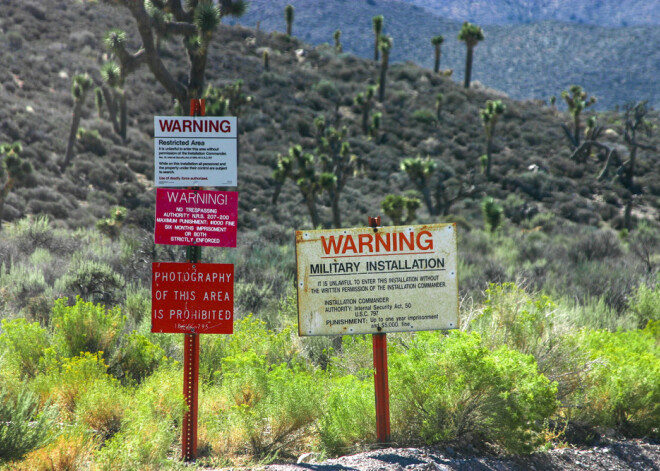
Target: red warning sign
192	298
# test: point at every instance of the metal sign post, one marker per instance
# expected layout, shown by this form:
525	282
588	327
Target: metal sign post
191	351
381	385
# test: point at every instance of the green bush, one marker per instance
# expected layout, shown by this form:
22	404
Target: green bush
85	327
151	426
136	358
101	409
424	116
272	406
450	386
92	280
350	418
23	426
250	334
23	344
645	304
65	380
622	389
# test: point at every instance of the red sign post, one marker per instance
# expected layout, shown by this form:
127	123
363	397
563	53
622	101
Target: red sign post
194	298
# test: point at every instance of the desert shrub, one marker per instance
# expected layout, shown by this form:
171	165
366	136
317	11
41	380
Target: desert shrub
272	406
249	334
90	141
326	89
85	327
348	423
23	344
645	304
424	116
20	284
31	233
136	358
512	317
137	305
65	380
69	451
151	425
622	389
24	426
101	409
250	298
92	280
450	386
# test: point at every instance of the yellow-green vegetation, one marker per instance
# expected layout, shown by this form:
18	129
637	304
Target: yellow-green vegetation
86	384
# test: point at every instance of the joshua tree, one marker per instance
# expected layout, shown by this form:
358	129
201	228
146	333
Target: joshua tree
82	83
300	168
288	16
635	122
114	96
226	101
13	171
492	213
439	98
471	35
437	42
385	45
400	209
374	127
327	173
266	60
195	21
489	116
363	100
337	37
577	101
420	172
337	165
434	181
378	29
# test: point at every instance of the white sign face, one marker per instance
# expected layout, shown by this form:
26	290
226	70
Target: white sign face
195	151
366	280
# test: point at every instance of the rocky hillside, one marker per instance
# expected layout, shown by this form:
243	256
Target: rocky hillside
44	48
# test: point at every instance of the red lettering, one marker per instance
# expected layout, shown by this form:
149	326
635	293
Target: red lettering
349	245
385	243
410	242
186	125
365	240
426	244
331	244
225	126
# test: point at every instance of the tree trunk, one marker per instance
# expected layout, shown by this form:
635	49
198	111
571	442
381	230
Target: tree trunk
436	64
313	212
3	196
468	66
365	117
75	122
576	123
627	214
489	157
122	115
376	56
383	75
336	214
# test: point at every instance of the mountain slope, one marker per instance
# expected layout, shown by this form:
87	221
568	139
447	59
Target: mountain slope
610	13
529	61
